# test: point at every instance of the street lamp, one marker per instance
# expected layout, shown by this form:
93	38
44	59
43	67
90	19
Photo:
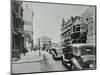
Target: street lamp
39	48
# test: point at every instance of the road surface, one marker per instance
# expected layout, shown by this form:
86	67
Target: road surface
37	66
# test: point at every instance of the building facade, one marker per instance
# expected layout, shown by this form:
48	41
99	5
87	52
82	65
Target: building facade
73	31
66	32
78	31
17	27
28	25
89	20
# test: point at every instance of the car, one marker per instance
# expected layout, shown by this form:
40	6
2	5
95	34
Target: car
56	54
66	57
79	56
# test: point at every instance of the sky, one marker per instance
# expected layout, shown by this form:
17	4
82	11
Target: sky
47	19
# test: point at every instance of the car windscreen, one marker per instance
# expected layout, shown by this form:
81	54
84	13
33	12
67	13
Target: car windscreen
87	50
65	50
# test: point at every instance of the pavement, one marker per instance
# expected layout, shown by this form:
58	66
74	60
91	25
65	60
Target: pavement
29	57
32	63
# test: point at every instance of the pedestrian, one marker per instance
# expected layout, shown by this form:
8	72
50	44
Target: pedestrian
18	53
24	51
13	53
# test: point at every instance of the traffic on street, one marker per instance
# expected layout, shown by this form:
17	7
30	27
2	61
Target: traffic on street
49	37
32	62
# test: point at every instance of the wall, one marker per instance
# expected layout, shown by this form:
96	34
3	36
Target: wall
89	20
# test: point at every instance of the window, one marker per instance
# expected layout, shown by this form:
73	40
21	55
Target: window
83	41
68	32
74	41
73	28
78	28
75	50
79	41
87	19
83	28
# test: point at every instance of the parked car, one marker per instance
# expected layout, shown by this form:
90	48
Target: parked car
56	53
66	57
79	56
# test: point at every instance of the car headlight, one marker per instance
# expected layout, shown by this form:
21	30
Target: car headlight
91	65
68	64
66	60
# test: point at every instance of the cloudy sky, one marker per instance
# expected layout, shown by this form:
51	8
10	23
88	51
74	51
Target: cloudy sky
48	18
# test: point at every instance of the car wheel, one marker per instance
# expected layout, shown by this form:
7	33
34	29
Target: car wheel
72	67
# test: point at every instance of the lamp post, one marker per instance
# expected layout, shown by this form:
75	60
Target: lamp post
39	48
